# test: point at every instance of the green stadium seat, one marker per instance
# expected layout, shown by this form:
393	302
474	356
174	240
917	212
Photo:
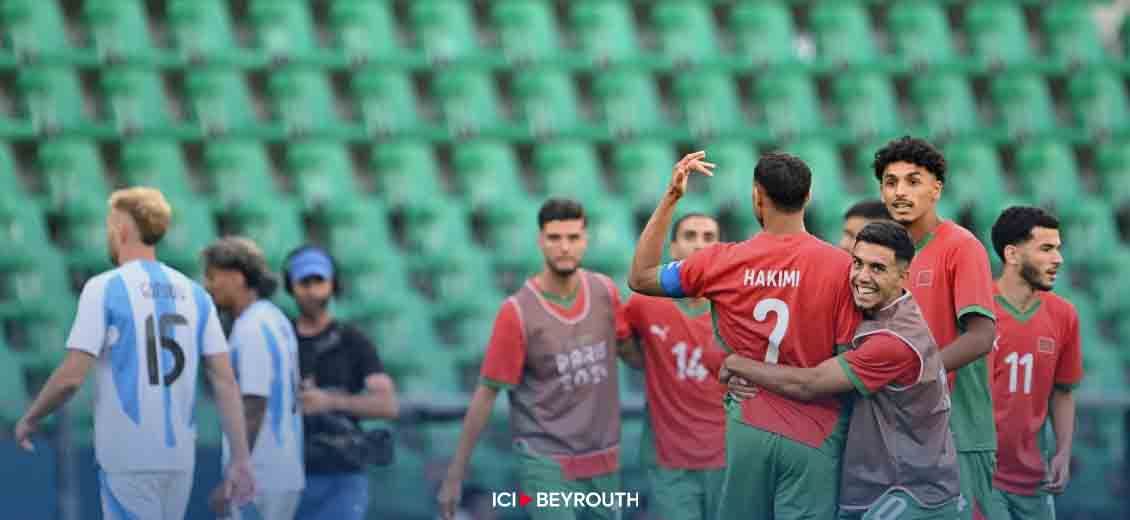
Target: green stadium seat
192	229
37	289
445	30
36	30
1071	33
303	101
221	102
470	335
511	231
11	189
240	175
1088	229
843	32
136	98
467	100
789	102
22	225
763	32
527	30
13	392
605	30
487	174
946	103
640	170
407	175
829	192
612	233
361	221
276	225
732	183
364	30
408	344
387	101
442	232
709	104
996	33
55	100
568	169
157	163
867	104
545	101
72	174
202	31
1023	104
322	174
975	180
1098	100
1047	173
120	30
627	101
371	284
1112	163
284	31
462	285
919	33
685	31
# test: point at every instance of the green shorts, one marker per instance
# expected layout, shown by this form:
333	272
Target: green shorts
679	494
1010	506
538	473
770	476
976	469
898	505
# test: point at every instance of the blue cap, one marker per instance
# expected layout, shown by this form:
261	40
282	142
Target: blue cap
311	262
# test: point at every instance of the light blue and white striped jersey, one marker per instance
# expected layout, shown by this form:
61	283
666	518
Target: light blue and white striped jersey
264	352
148	325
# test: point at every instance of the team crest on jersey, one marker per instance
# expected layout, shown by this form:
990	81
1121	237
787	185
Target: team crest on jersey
924	278
1045	345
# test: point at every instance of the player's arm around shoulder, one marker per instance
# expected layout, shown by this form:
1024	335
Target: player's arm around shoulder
802	384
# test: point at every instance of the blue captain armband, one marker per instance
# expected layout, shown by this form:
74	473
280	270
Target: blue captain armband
670	281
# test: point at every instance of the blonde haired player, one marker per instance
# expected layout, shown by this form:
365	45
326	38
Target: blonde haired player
144	328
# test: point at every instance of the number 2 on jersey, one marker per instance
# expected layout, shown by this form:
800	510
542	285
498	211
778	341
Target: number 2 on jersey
781	309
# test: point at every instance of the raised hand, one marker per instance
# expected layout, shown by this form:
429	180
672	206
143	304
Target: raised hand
690	163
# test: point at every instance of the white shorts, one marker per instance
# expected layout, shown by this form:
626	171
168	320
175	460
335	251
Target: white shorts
160	495
271	505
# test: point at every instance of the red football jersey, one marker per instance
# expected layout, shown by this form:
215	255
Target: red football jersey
1034	352
950	277
684	400
779	299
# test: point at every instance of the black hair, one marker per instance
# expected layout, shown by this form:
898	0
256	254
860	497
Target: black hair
888	234
870	209
913	150
561	209
785	178
688	216
241	254
307	247
1015	225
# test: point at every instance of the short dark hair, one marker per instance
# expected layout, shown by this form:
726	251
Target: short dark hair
688	216
785	178
241	254
561	209
1015	225
870	209
913	150
888	234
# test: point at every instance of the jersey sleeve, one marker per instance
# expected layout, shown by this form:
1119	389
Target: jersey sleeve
623	330
972	281
689	278
506	353
251	359
1069	368
88	333
881	360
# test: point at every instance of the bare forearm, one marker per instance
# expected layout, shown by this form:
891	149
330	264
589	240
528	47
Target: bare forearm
56	392
1063	420
478	413
643	276
780	379
254	408
971	345
230	405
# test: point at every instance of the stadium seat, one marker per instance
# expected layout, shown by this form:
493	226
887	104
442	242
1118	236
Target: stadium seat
527	31
1088	228
1071	33
627	102
788	101
605	30
975	180
202	30
240	175
55	100
372	283
387	101
461	285
158	163
407	176
945	102
303	101
568	169
685	31
37	31
11	189
13	393
545	101
36	290
709	104
867	104
121	33
276	225
919	33
511	232
72	171
1098	100
361	221
191	230
221	102
1048	173
321	172
763	33
1112	163
487	174
612	233
136	99
467	100
843	32
284	31
22	225
830	196
442	232
996	33
445	30
732	183
365	31
640	171
1023	104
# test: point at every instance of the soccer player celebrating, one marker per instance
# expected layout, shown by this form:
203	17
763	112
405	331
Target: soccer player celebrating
264	351
899	460
553	348
783	297
144	328
859	215
1037	360
685	451
951	279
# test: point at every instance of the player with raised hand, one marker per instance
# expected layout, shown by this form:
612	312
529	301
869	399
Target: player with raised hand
684	450
1037	362
781	296
951	279
144	328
